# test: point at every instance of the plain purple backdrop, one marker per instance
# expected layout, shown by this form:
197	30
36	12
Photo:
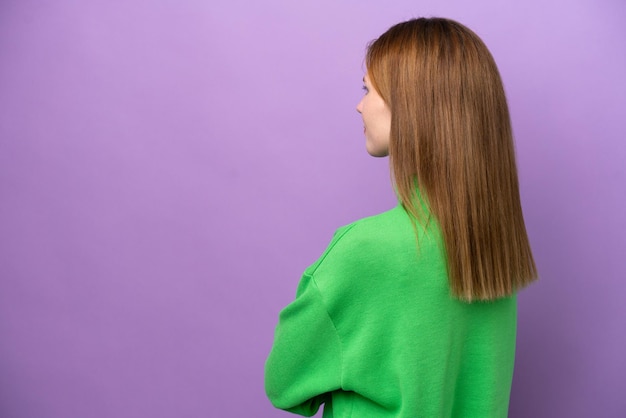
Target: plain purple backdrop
169	168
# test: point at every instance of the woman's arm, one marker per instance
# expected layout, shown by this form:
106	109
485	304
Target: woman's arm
305	364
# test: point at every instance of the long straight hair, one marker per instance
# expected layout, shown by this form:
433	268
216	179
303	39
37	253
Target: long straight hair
451	143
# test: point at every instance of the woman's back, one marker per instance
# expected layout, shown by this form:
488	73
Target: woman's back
375	332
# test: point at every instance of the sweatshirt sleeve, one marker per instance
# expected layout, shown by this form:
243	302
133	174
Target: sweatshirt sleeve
304	365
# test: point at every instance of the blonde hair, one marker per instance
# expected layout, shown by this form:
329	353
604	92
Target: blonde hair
451	136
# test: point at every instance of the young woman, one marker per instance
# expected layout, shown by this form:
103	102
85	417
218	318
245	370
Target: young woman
412	312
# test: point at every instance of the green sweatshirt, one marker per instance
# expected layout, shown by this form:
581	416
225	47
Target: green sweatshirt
374	332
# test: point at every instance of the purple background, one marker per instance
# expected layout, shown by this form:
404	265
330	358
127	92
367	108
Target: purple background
169	168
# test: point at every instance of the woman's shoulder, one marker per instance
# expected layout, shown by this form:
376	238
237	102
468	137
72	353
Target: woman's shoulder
364	239
381	223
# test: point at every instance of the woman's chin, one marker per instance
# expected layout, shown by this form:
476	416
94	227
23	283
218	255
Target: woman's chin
376	152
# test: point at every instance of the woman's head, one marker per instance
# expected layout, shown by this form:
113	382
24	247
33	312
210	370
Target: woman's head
444	93
450	134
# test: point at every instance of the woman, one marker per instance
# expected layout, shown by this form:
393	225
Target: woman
412	312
